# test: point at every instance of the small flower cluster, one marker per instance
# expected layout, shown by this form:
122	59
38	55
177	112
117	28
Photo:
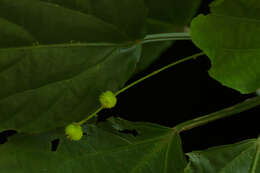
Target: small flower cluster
74	131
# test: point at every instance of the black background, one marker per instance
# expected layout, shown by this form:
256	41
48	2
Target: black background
184	92
181	93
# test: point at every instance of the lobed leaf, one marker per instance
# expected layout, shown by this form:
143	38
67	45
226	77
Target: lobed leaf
229	36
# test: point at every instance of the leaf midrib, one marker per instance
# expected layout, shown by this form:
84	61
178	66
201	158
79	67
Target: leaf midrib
222	170
66	45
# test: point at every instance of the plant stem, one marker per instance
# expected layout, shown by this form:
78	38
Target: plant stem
148	39
233	110
166	37
140	80
90	116
158	71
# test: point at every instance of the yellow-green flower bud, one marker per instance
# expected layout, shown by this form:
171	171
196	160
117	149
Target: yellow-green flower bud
74	132
108	99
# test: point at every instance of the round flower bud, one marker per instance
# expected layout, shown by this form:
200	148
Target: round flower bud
74	132
108	99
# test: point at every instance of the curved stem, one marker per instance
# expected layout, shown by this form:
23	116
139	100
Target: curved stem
233	110
166	37
91	116
158	71
148	39
140	80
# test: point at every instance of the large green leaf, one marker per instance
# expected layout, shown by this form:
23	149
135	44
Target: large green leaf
242	157
229	35
165	17
44	87
155	149
50	74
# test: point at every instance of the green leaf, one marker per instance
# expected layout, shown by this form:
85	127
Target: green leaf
44	87
155	149
241	157
50	73
165	17
175	13
229	35
55	21
128	16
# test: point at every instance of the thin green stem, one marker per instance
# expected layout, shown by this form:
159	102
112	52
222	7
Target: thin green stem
91	116
140	80
148	39
233	110
158	71
166	37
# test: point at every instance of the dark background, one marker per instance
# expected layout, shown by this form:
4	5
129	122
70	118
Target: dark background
184	92
181	93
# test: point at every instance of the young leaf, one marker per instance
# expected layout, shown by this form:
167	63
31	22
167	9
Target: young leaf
240	157
155	149
44	87
229	35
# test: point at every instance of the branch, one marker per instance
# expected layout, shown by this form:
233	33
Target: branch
233	110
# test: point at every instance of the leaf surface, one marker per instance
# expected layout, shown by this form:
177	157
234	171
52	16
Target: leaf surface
127	16
47	87
104	149
229	36
241	157
55	21
57	57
